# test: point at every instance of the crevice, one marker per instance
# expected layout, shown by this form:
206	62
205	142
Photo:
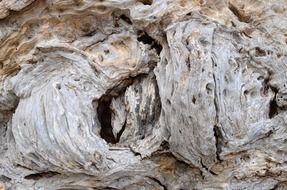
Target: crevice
164	145
218	141
259	52
242	17
193	99
135	153
158	182
121	131
163	149
206	168
203	166
273	107
146	39
120	18
126	19
23	167
146	2
4	178
104	116
110	188
38	176
217	132
104	111
90	34
158	99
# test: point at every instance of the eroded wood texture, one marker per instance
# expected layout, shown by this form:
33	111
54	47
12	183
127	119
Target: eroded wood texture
143	94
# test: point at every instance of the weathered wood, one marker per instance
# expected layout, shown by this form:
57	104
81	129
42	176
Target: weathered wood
139	94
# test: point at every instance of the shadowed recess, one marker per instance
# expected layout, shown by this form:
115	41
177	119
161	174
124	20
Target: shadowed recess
104	116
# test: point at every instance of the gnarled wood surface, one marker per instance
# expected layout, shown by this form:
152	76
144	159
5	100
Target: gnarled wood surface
143	94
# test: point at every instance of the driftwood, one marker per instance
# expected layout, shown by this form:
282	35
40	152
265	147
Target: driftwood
143	94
